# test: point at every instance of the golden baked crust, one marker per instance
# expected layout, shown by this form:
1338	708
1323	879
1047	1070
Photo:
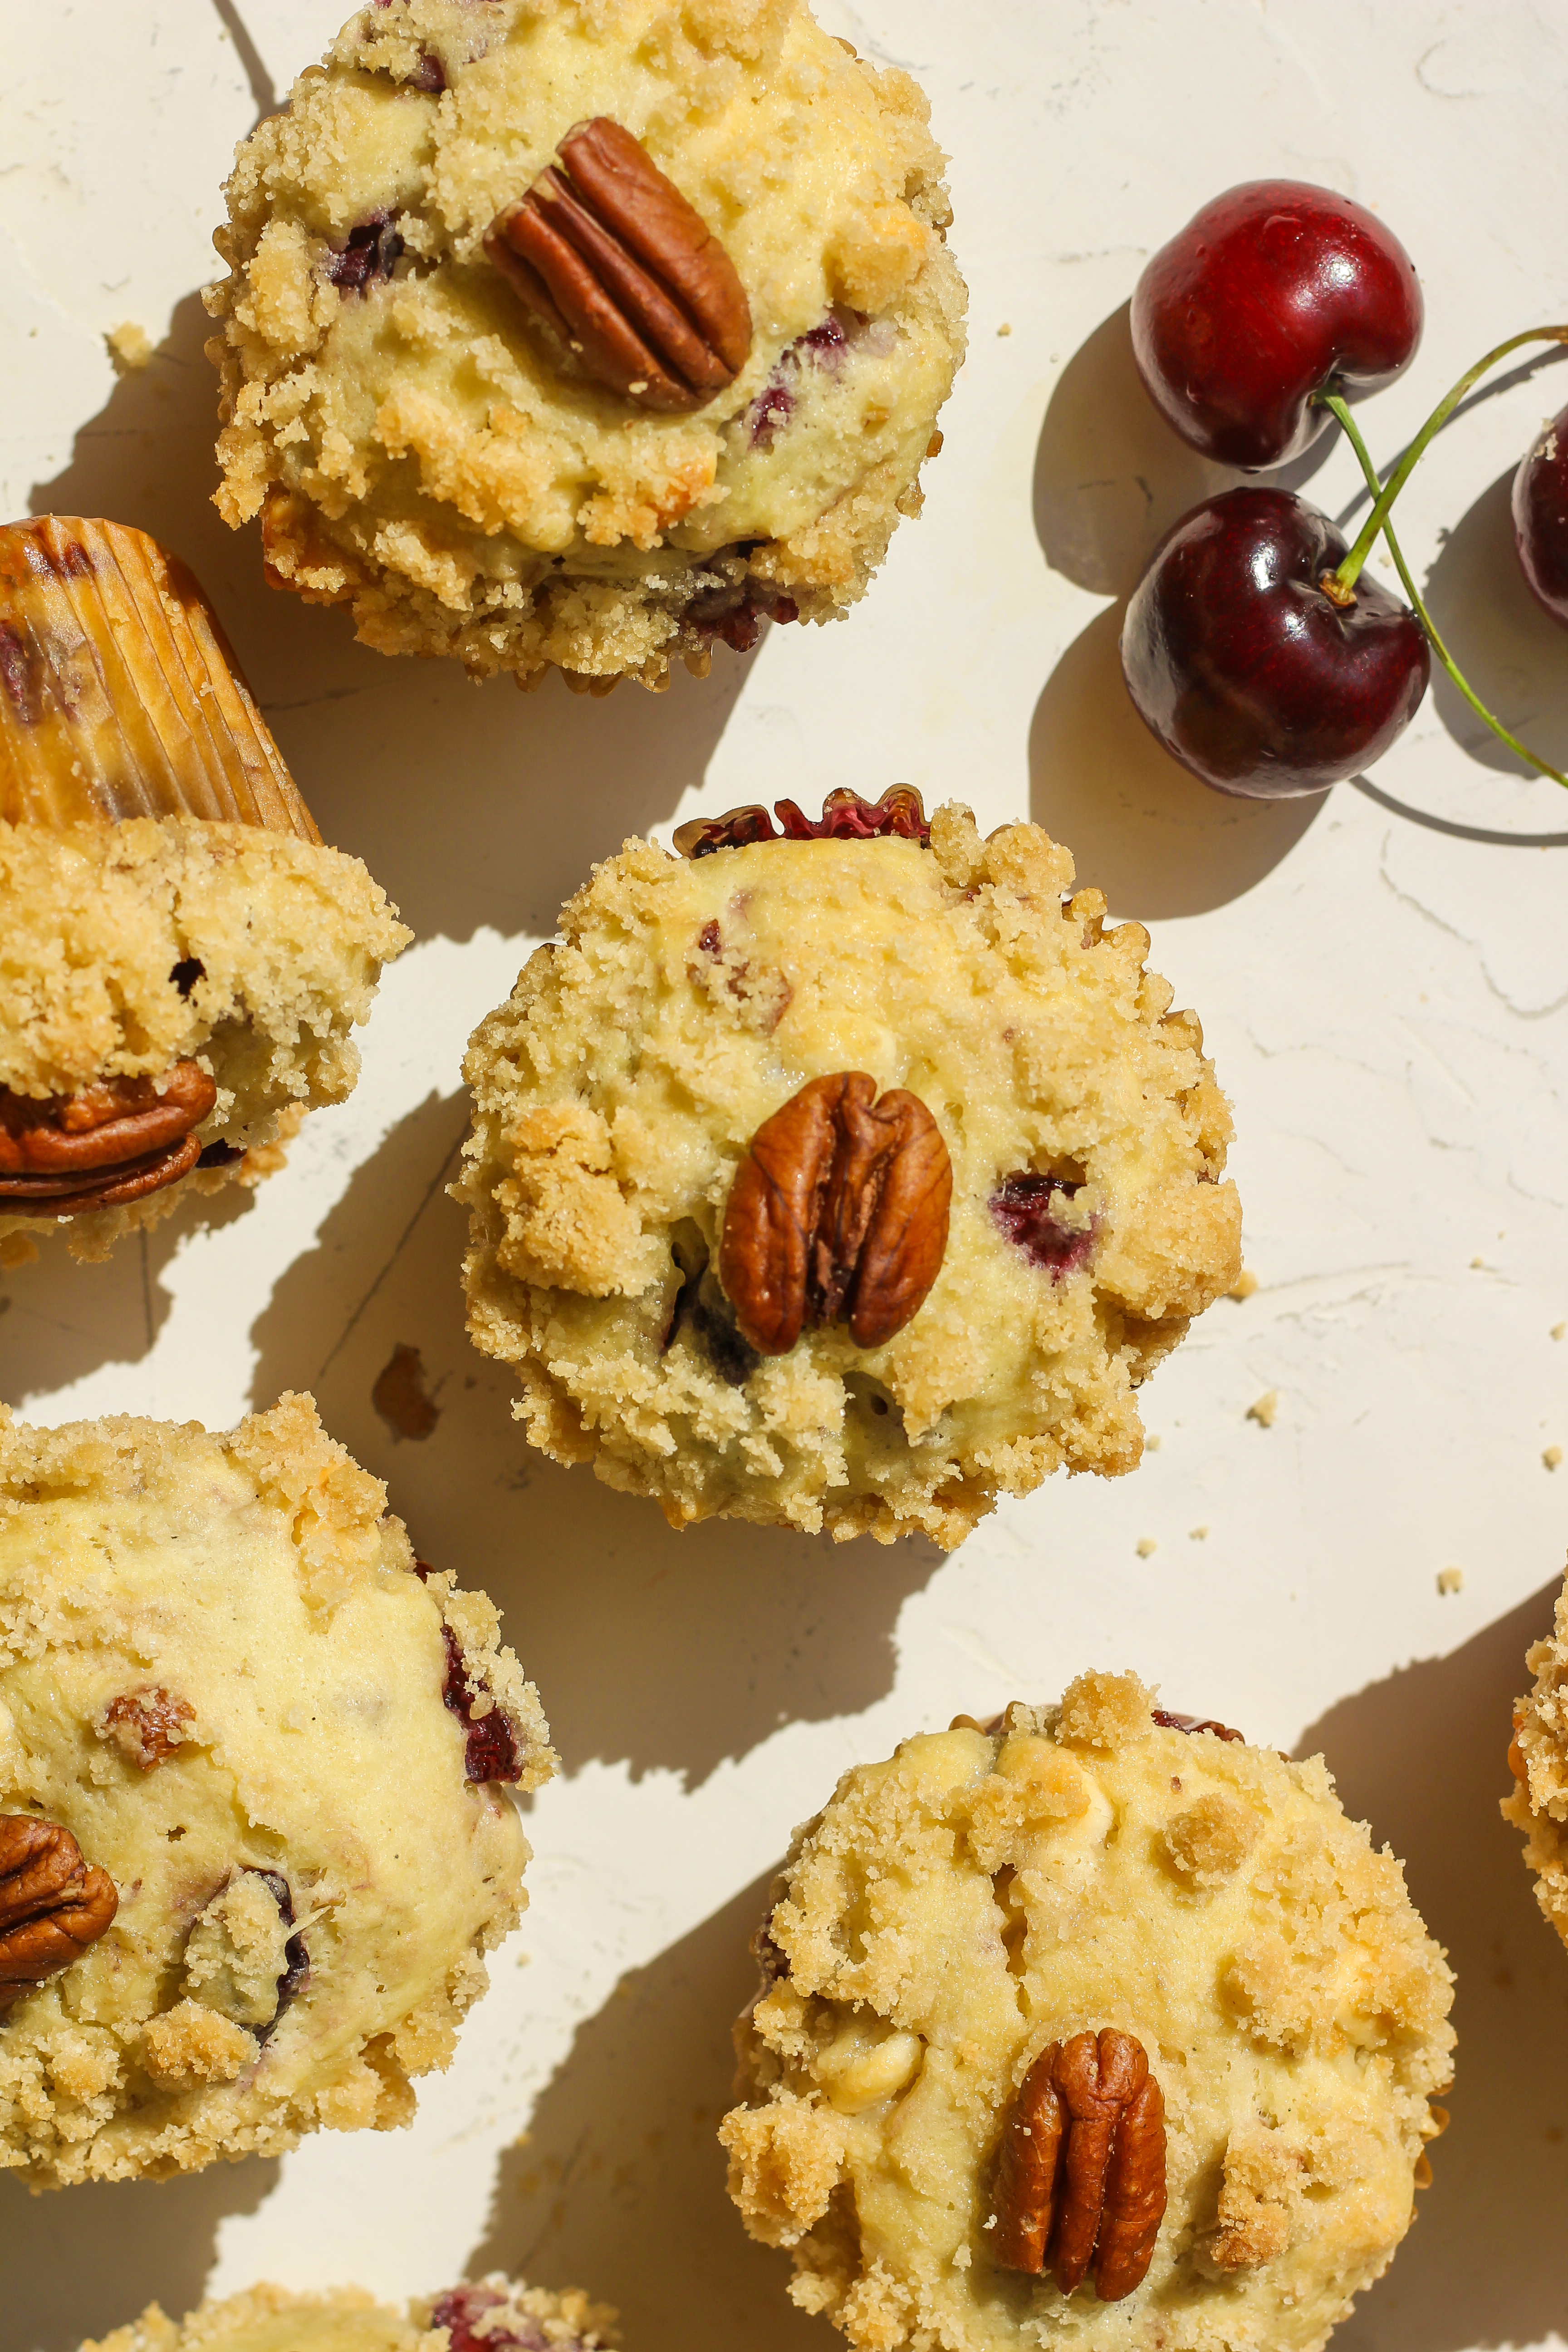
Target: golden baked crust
1537	1803
102	930
616	1091
346	2319
418	452
252	1591
982	1894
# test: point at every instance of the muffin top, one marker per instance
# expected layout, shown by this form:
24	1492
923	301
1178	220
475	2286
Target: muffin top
692	1025
427	445
496	2311
222	1677
990	1894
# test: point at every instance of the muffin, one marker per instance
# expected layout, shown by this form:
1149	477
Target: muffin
182	961
844	1180
1094	2024
580	333
498	2312
254	1836
1538	1757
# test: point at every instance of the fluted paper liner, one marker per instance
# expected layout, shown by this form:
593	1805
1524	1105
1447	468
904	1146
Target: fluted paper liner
119	694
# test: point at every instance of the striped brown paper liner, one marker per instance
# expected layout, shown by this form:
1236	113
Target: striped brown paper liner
120	695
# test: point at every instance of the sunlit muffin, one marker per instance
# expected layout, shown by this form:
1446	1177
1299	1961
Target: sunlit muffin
182	961
846	1180
1092	2026
255	1833
583	332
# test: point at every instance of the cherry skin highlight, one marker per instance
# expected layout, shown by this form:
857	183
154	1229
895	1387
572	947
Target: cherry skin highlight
1246	671
1541	517
1273	292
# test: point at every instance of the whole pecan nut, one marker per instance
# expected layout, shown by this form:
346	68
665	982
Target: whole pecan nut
112	1143
1080	2172
52	1907
609	254
838	1211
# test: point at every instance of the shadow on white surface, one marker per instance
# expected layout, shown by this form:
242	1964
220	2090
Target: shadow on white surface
59	1320
1422	1756
79	2262
618	1617
619	2184
1513	654
471	805
1111	477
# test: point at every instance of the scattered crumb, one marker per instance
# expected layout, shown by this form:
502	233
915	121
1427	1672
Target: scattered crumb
1244	1286
1265	1412
1004	329
1197	1535
1559	1329
1146	1546
1552	1455
1151	1444
960	2259
1450	1580
401	1397
1477	1261
130	346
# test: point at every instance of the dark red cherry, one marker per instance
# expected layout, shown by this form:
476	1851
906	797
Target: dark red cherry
1274	291
1541	517
1246	671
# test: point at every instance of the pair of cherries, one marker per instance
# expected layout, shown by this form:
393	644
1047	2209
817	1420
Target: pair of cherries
1256	648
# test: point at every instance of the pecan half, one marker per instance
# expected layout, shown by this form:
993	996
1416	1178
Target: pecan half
838	1211
52	1907
111	1143
146	1724
609	254
846	816
1080	2172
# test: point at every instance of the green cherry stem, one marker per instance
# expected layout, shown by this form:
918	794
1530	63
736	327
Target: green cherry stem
1389	491
1383	498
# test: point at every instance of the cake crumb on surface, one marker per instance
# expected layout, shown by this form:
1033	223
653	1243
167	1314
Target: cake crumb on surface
1146	1546
1244	1286
1265	1412
1450	1580
130	346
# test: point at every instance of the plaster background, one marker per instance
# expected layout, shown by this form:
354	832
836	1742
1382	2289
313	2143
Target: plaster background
1384	981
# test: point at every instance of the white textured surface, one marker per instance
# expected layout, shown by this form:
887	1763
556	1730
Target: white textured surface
1382	978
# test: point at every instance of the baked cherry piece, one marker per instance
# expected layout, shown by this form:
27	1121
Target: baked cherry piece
1248	671
1541	517
1274	291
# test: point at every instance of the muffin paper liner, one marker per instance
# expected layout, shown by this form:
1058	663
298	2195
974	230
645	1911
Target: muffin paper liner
120	695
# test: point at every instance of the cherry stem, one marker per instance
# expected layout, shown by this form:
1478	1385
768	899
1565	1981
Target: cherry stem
1340	408
1389	490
